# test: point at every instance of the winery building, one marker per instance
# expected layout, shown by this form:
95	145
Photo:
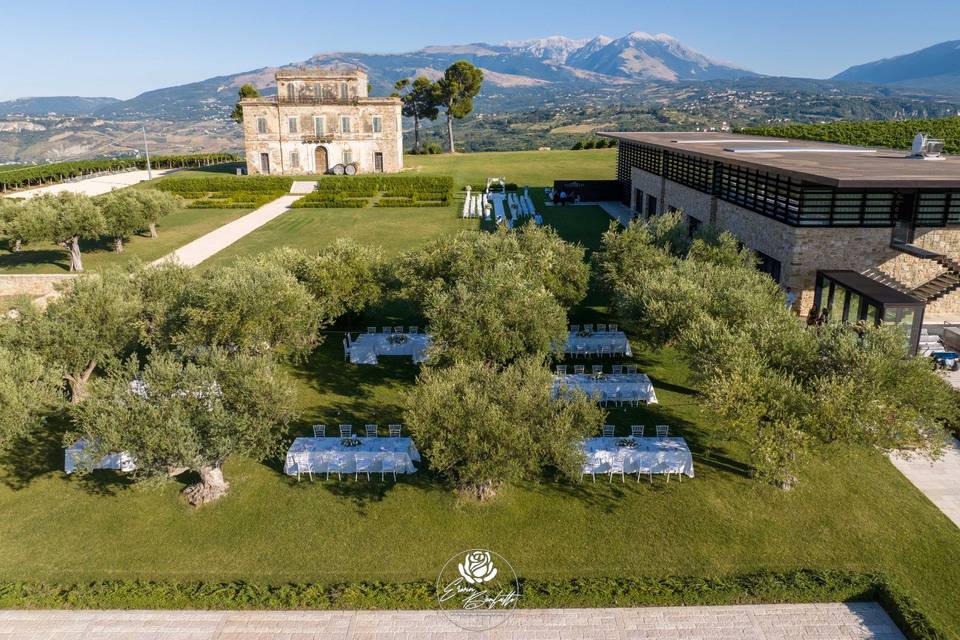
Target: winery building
816	214
322	121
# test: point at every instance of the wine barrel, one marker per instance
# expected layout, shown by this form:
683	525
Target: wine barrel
350	169
338	169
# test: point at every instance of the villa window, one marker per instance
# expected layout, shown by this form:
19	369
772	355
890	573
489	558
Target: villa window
295	158
261	125
377	124
318	91
291	92
345	124
344	91
347	156
292	124
319	127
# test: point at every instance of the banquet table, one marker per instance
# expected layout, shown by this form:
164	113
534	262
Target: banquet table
649	455
366	348
74	457
632	386
321	452
615	340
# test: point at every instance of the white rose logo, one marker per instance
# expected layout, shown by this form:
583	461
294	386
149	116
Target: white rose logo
477	567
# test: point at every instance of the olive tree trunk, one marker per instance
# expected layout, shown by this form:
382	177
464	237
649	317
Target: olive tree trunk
118	244
450	133
17	245
153	230
211	487
78	382
76	260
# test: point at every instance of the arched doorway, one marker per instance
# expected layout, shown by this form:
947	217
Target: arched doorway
320	156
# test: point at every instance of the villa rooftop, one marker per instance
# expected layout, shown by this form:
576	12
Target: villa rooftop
825	163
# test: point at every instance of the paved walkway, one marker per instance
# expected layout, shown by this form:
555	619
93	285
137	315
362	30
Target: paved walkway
618	211
939	480
92	186
752	622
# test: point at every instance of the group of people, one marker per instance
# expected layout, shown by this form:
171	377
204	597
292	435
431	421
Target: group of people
561	198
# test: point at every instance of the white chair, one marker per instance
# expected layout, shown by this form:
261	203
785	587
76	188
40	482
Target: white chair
338	463
617	398
609	430
618	350
602	327
632	369
346	350
581	351
597	368
319	431
617	369
371	430
388	464
605	350
648	471
592	468
616	466
561	369
574	328
636	430
612	328
388	330
675	470
588	327
346	431
394	430
302	462
414	329
364	464
398	329
662	430
578	369
371	329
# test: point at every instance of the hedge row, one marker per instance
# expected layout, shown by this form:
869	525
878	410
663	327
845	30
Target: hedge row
330	203
33	175
477	188
765	587
382	182
227	184
408	202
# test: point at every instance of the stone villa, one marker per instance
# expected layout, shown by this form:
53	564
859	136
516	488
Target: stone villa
320	120
845	227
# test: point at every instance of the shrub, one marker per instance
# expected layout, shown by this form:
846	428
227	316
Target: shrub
227	184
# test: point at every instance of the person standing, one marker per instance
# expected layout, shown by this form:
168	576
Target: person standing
791	298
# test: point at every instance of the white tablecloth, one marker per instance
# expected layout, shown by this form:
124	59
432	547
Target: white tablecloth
74	457
321	452
368	346
650	455
632	386
613	339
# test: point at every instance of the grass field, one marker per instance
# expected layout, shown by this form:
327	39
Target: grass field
852	509
174	231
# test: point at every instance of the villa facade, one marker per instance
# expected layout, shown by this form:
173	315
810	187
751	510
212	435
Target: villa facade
319	120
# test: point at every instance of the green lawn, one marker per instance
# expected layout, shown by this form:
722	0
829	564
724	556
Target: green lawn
174	231
852	509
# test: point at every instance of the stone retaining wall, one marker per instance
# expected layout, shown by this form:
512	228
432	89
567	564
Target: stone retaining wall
31	284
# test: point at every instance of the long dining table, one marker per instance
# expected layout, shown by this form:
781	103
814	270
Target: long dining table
319	454
592	342
631	387
645	455
369	346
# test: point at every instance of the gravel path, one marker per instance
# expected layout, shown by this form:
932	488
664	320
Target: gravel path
93	186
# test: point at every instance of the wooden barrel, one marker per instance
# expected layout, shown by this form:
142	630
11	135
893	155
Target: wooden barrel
350	169
338	169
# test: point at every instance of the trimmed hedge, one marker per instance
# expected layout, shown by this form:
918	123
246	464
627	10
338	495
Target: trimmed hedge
383	182
765	587
227	184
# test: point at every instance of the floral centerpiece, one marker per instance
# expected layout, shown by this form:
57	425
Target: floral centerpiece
584	334
629	443
351	442
598	376
397	338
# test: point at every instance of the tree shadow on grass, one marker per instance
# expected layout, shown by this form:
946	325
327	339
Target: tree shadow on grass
36	257
34	454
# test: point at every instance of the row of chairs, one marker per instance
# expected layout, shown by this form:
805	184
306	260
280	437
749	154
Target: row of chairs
346	430
589	327
617	369
410	329
636	430
599	351
339	463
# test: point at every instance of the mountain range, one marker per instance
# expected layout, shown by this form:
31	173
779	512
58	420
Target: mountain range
935	68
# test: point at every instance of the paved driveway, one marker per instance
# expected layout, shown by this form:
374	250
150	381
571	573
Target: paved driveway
751	622
93	186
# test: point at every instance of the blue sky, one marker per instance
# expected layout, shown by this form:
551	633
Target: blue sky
121	48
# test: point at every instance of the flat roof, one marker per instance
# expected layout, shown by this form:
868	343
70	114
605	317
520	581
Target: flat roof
826	163
869	288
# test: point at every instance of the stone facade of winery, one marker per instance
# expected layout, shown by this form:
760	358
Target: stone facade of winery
320	120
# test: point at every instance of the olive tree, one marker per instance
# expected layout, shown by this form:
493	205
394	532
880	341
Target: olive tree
189	415
27	390
482	426
27	222
154	205
123	216
76	217
93	321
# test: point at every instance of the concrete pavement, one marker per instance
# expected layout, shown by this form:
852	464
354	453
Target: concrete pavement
938	480
745	622
92	186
